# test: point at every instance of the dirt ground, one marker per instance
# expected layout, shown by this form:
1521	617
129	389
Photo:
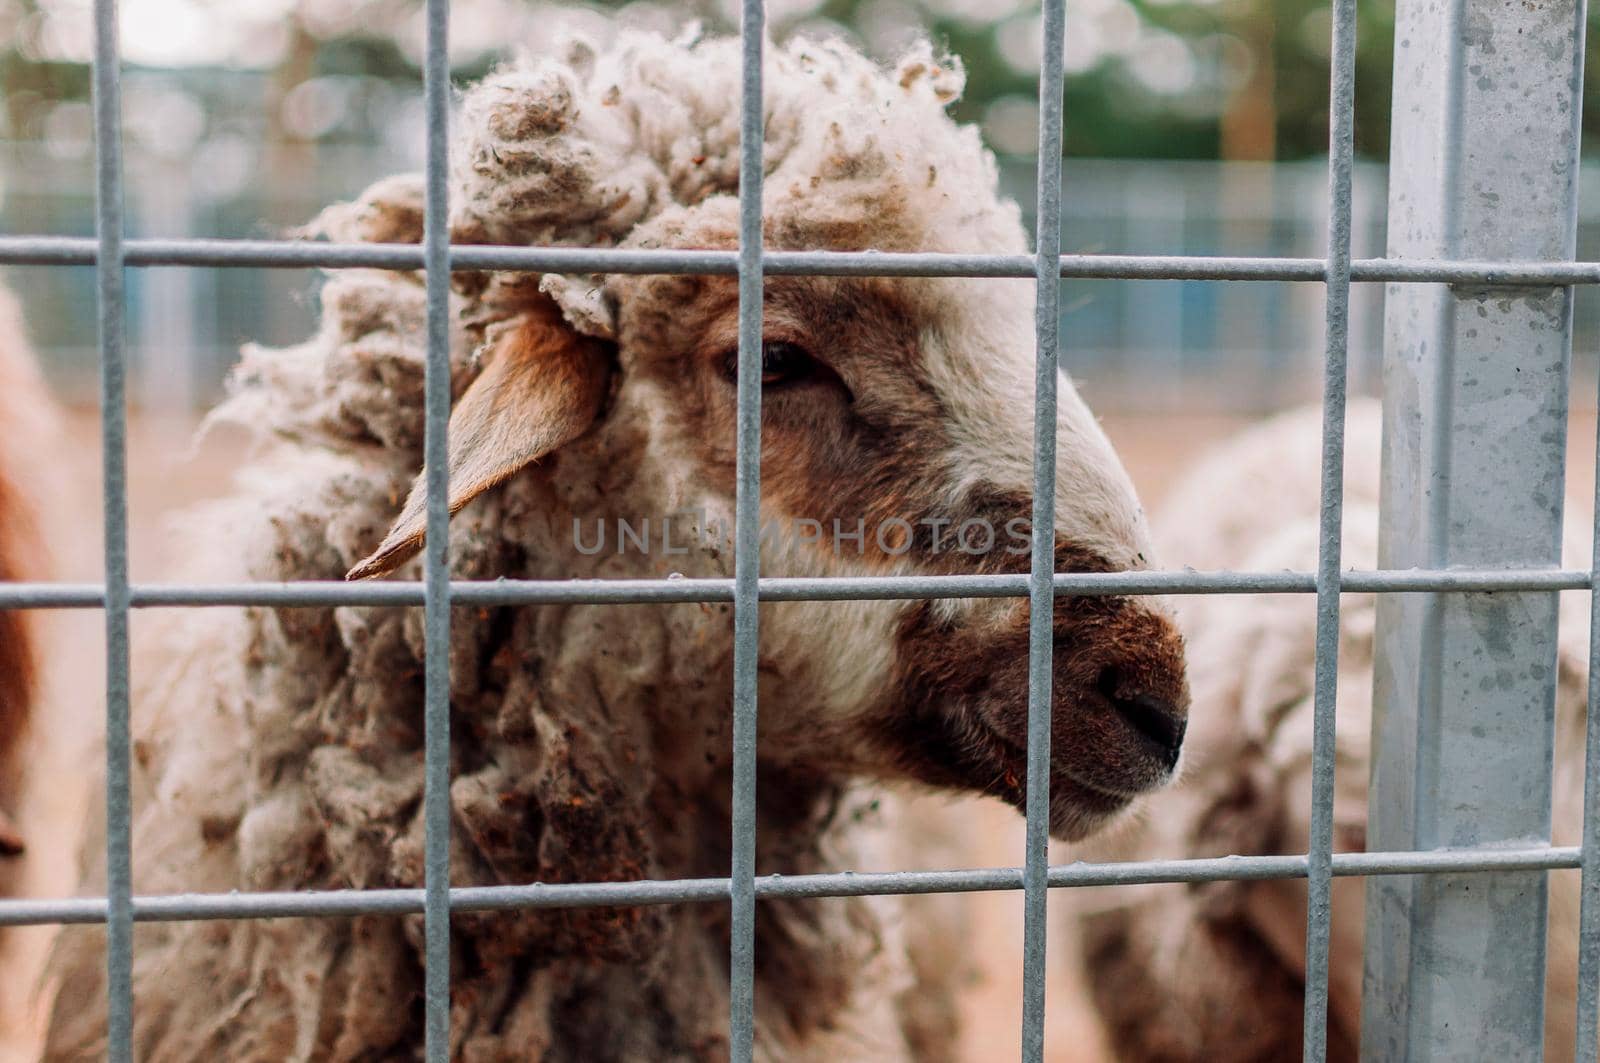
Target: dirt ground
169	471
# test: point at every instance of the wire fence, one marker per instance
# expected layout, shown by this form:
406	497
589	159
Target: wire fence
111	255
1166	345
1162	345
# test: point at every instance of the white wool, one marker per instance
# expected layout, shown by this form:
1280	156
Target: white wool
1212	970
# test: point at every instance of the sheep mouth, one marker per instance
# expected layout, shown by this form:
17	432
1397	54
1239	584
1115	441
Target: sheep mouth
959	750
1078	808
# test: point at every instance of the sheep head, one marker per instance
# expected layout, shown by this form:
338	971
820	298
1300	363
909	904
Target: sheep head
897	414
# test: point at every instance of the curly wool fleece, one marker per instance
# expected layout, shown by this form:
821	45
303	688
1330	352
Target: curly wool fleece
281	749
1216	970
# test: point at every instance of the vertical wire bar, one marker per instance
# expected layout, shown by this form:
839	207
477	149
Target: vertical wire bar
1589	905
1588	1032
114	438
1041	579
747	544
1319	876
436	593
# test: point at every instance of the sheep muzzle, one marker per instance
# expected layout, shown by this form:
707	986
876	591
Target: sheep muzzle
1119	705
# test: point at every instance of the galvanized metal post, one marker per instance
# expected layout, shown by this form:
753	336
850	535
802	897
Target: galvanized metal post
1483	165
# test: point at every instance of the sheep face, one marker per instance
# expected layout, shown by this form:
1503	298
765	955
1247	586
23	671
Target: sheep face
897	414
897	426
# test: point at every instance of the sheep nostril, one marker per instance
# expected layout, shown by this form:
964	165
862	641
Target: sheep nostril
1160	723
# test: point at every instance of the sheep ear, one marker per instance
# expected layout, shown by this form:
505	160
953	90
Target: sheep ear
541	387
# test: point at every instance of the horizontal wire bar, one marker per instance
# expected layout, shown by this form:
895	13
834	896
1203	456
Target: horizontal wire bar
192	907
786	588
291	254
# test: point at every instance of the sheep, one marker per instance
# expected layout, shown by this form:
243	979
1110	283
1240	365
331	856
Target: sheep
281	748
1215	970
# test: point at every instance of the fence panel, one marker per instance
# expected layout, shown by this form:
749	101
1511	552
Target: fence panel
1478	357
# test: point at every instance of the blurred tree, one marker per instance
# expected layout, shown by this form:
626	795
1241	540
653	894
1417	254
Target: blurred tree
29	80
1279	107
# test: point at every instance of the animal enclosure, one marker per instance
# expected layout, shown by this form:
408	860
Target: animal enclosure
1481	264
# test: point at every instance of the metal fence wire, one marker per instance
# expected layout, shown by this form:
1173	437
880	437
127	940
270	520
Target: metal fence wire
111	254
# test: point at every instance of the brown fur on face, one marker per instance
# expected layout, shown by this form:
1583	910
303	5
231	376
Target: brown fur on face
865	439
963	701
862	440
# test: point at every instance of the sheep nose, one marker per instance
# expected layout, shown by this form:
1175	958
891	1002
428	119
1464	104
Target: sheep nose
1160	723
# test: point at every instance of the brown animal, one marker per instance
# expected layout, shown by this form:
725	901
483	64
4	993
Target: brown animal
24	403
31	818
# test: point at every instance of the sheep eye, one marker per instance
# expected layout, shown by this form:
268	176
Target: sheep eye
781	363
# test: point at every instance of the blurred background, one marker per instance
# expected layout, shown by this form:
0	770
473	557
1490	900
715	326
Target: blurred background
1193	127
